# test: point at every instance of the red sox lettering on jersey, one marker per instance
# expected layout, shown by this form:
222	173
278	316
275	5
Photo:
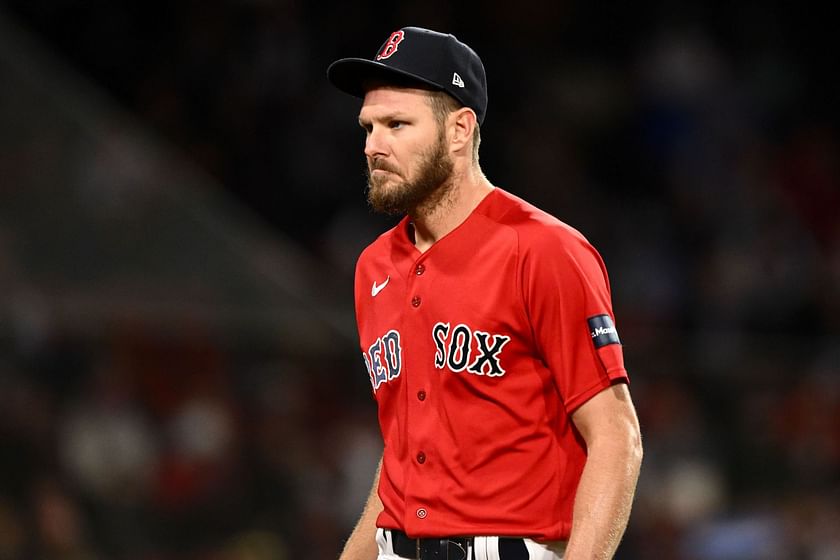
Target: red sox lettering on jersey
468	346
454	349
458	349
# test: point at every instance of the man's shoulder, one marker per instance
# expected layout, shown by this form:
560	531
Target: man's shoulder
545	243
534	226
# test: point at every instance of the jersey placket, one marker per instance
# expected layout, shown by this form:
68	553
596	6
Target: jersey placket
420	396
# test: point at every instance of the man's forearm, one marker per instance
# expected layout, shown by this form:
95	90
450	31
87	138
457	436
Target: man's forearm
604	497
362	542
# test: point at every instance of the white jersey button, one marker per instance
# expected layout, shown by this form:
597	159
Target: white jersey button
422	513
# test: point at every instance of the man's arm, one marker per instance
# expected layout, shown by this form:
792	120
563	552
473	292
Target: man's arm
362	542
608	425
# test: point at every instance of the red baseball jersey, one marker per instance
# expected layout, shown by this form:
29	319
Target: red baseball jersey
478	352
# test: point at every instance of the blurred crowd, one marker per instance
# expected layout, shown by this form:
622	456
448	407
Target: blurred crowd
696	146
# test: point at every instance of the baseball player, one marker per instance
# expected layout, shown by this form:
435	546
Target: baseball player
487	330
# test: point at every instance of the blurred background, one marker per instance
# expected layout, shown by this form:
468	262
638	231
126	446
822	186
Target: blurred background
182	204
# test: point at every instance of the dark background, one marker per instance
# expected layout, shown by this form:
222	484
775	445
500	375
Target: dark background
694	143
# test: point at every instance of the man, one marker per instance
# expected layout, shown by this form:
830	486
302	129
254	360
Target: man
486	327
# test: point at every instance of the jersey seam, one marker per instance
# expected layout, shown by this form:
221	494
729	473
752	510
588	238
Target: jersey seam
520	288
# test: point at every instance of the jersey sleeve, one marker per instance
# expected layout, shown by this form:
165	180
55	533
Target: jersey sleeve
567	297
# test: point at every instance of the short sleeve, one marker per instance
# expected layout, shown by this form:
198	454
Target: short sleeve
567	298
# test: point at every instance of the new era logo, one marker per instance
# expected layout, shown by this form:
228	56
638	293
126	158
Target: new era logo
456	80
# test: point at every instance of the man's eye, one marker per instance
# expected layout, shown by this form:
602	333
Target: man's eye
396	124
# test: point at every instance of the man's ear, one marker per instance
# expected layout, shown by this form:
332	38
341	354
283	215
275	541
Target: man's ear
462	123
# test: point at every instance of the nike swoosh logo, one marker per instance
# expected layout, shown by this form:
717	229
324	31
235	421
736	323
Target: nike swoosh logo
378	288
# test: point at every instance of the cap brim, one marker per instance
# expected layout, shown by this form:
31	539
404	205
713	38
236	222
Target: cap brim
356	75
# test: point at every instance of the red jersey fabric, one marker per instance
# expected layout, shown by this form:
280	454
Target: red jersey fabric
478	352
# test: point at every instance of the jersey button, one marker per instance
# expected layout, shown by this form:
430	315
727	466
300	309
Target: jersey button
421	268
422	513
421	457
421	395
415	301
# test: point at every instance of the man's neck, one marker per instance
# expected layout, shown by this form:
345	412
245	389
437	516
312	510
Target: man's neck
465	193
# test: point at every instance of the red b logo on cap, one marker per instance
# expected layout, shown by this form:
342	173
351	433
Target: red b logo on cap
391	45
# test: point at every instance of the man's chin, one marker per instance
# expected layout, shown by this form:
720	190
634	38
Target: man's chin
386	200
384	208
382	182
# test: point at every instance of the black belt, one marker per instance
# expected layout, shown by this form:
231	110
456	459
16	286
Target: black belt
451	548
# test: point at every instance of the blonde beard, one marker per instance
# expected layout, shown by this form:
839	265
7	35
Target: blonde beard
422	195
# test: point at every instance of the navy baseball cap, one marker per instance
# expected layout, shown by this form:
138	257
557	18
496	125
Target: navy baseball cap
418	57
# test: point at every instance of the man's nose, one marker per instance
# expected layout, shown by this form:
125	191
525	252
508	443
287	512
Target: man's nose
375	144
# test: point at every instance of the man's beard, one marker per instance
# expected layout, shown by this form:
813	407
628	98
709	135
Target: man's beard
424	192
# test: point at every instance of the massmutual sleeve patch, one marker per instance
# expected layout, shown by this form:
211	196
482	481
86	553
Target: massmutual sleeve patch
602	330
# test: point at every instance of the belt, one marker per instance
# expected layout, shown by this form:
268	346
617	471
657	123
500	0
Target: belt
451	548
